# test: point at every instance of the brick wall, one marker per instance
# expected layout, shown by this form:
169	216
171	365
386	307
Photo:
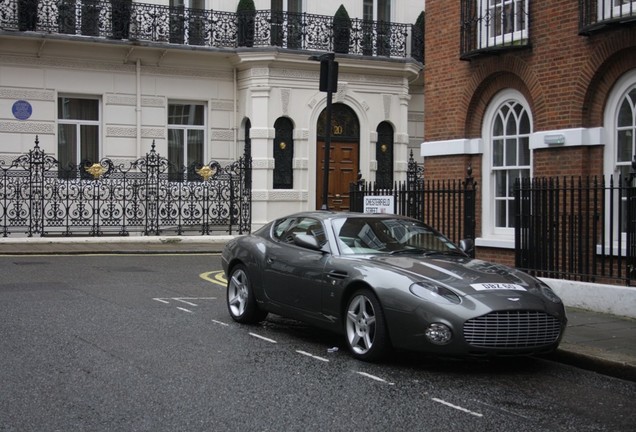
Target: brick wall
565	77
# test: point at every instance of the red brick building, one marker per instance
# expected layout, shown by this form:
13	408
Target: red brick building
526	89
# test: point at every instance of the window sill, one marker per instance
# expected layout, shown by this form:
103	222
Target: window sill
496	242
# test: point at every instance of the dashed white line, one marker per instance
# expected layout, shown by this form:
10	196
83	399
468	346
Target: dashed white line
376	378
161	300
184	309
312	356
220	323
443	402
263	338
186	302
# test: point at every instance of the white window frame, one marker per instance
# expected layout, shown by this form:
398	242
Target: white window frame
79	123
375	11
184	128
489	229
489	38
610	154
286	6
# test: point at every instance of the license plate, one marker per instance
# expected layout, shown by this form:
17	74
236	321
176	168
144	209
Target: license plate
497	286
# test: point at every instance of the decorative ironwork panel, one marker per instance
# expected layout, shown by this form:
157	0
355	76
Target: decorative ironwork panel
102	198
121	19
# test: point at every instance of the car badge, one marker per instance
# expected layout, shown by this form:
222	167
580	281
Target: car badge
513	299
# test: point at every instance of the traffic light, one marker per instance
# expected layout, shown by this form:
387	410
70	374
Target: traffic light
328	76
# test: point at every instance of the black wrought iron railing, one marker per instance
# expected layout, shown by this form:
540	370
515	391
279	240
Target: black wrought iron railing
123	19
491	27
598	14
150	196
576	228
446	205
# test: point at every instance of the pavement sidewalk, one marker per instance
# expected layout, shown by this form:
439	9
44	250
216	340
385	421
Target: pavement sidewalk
595	341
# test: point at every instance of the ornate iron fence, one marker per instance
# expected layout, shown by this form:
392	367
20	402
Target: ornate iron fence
122	19
448	206
149	196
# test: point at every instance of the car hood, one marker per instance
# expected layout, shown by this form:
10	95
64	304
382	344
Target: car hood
466	275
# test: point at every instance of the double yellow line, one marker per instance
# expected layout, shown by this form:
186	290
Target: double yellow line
215	277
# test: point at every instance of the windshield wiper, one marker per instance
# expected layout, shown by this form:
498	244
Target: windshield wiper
446	252
416	251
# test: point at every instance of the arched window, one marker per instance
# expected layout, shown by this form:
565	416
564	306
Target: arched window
620	123
625	130
344	123
283	154
507	157
247	154
384	156
510	157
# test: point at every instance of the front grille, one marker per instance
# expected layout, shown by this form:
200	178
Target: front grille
512	329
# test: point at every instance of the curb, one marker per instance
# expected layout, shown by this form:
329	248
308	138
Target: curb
595	360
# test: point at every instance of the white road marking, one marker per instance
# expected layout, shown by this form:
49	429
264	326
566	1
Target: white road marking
166	300
476	414
376	378
184	309
220	323
161	300
263	338
186	302
312	356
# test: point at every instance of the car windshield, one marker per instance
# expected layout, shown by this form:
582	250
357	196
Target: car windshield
360	235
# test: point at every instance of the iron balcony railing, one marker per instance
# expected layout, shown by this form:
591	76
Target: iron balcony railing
150	196
577	228
489	26
123	19
598	14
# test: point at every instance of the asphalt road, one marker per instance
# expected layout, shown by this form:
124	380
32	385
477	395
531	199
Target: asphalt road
145	343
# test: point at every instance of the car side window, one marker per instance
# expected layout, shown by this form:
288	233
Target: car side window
282	226
287	229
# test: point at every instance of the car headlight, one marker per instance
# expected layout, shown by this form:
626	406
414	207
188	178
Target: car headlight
549	293
434	293
439	334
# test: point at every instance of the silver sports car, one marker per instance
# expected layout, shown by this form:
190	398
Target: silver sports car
386	281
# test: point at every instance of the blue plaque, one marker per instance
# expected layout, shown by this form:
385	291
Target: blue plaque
22	109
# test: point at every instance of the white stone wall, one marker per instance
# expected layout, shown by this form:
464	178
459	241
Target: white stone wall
136	83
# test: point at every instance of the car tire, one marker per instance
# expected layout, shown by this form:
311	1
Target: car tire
241	302
365	327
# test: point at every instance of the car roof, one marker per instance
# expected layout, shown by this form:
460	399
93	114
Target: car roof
330	214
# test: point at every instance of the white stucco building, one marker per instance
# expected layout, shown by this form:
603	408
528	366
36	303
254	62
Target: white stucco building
175	78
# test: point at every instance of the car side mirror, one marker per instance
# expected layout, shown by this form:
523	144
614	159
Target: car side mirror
467	246
307	241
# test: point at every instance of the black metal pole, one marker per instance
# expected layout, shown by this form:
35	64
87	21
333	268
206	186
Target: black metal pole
325	174
328	84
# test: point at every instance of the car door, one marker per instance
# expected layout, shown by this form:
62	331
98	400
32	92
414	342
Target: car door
294	275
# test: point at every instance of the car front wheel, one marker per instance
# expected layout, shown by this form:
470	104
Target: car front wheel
365	327
240	297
